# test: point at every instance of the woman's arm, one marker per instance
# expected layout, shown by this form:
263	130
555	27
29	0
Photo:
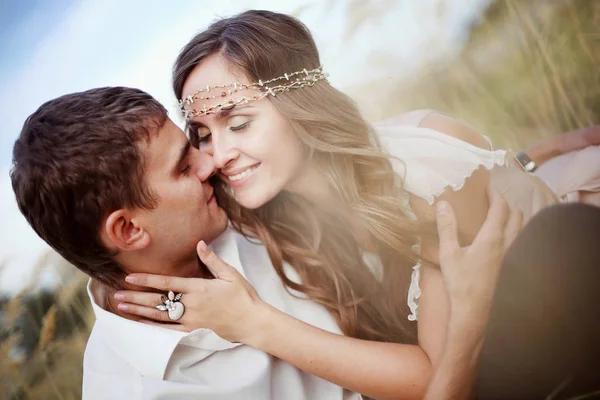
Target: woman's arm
554	146
375	369
470	205
231	307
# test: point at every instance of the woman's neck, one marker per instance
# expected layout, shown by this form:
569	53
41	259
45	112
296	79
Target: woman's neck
313	186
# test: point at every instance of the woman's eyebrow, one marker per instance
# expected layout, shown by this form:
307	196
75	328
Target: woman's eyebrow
223	114
220	116
191	124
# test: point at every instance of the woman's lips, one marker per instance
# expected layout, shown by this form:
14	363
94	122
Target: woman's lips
242	177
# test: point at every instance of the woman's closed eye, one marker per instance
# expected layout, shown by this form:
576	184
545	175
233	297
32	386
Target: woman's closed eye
204	138
240	127
198	134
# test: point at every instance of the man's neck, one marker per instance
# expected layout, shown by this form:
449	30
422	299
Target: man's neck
111	304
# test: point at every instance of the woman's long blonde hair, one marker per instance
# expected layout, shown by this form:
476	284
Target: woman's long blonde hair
317	243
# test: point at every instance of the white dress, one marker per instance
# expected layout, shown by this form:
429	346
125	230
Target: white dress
431	162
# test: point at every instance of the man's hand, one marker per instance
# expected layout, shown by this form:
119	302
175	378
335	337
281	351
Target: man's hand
470	273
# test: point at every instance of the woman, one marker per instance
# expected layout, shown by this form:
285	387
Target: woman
302	172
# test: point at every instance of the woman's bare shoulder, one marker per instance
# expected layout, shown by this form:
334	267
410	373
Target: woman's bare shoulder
454	127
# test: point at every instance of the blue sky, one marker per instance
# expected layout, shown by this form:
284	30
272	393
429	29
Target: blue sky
59	46
53	47
17	36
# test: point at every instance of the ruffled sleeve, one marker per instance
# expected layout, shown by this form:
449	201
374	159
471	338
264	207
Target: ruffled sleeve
431	161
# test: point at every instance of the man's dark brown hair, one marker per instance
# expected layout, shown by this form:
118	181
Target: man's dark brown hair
78	158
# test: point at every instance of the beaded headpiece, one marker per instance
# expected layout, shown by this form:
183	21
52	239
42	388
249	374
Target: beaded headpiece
281	84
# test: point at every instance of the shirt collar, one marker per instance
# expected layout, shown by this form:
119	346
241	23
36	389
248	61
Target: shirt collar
145	347
149	348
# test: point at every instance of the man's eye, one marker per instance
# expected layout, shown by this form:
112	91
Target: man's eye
197	135
186	170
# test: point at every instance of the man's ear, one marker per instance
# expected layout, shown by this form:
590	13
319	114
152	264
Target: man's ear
122	231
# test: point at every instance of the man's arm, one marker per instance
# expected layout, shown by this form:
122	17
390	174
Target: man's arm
455	374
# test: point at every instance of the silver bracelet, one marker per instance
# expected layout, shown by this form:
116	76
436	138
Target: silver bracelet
527	163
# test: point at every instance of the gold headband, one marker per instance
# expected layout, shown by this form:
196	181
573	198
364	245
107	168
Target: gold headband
309	78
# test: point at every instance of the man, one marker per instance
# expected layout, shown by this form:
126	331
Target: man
114	186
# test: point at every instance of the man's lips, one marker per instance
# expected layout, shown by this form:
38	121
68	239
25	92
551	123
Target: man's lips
211	196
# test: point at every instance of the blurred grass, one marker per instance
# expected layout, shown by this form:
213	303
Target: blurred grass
528	70
42	338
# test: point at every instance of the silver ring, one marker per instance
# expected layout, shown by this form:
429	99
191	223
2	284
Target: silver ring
172	305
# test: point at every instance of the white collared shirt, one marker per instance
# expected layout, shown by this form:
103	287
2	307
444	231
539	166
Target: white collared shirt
129	360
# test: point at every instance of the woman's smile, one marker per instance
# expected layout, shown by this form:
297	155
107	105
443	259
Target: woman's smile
239	176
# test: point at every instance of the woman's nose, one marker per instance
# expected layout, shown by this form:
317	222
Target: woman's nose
223	152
